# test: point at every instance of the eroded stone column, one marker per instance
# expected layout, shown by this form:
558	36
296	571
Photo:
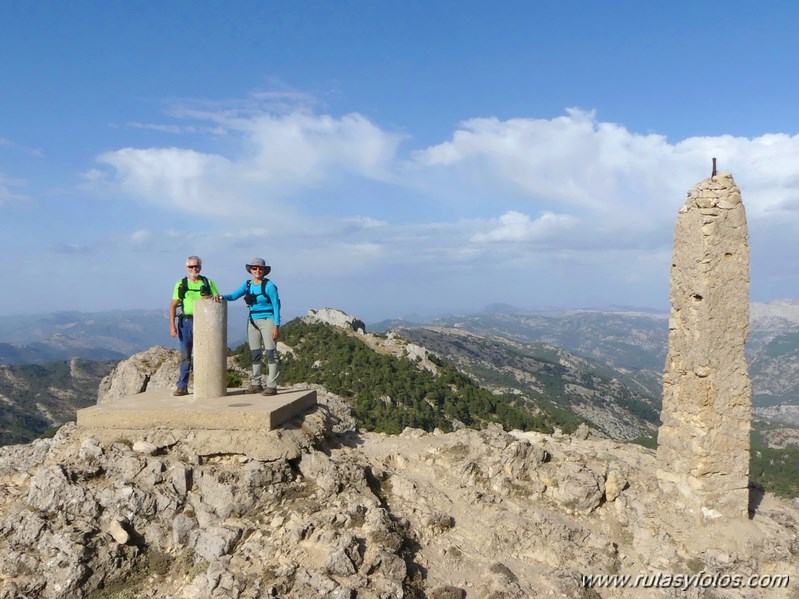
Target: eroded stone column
210	349
703	443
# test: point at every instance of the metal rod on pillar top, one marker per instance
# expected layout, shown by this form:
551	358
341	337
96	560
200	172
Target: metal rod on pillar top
210	349
713	174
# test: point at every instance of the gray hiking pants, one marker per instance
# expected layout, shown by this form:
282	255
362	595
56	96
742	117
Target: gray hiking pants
259	337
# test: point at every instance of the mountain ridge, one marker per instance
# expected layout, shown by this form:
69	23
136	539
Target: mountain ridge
339	512
545	375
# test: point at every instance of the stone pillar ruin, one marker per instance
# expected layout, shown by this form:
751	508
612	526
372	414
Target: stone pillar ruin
703	443
210	349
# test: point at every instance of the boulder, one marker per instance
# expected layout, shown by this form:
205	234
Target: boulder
156	368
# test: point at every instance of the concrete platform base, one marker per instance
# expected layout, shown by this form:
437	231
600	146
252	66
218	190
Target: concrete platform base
236	411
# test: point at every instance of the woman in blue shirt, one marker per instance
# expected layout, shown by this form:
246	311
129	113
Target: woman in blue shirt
263	328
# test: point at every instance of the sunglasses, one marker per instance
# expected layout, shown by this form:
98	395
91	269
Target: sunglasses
193	266
257	268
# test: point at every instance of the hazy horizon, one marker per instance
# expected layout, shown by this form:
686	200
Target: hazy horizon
239	310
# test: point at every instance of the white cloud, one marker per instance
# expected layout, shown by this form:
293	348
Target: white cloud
515	226
70	248
17	148
363	222
141	236
7	194
571	170
178	129
567	161
277	157
189	181
578	163
368	250
92	175
300	147
4	180
280	100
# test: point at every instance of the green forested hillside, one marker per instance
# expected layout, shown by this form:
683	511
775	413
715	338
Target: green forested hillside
390	393
546	375
35	397
777	469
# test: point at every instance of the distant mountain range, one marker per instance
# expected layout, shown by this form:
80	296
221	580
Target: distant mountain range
114	335
629	340
636	341
601	367
42	338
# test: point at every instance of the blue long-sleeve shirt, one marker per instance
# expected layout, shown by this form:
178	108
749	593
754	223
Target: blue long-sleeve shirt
265	306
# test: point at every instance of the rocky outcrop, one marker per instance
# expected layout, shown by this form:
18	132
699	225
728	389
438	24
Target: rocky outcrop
703	444
391	343
82	511
335	318
468	514
155	368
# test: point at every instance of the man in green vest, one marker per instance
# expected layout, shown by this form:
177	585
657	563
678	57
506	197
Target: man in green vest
181	315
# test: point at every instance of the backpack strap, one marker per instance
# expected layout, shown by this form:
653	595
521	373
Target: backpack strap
184	287
264	281
263	291
263	288
206	288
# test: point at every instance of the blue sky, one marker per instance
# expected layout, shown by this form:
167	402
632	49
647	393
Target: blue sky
387	158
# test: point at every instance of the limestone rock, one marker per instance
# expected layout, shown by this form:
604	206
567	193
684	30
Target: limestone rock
581	432
335	318
703	443
52	491
156	368
145	447
303	537
215	541
614	484
118	532
578	489
307	513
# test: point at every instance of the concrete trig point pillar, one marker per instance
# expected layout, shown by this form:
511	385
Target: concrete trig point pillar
210	349
703	443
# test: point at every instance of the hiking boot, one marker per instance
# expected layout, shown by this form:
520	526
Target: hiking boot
255	389
270	391
179	391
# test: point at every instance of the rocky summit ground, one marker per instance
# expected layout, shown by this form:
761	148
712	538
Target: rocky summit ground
327	511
